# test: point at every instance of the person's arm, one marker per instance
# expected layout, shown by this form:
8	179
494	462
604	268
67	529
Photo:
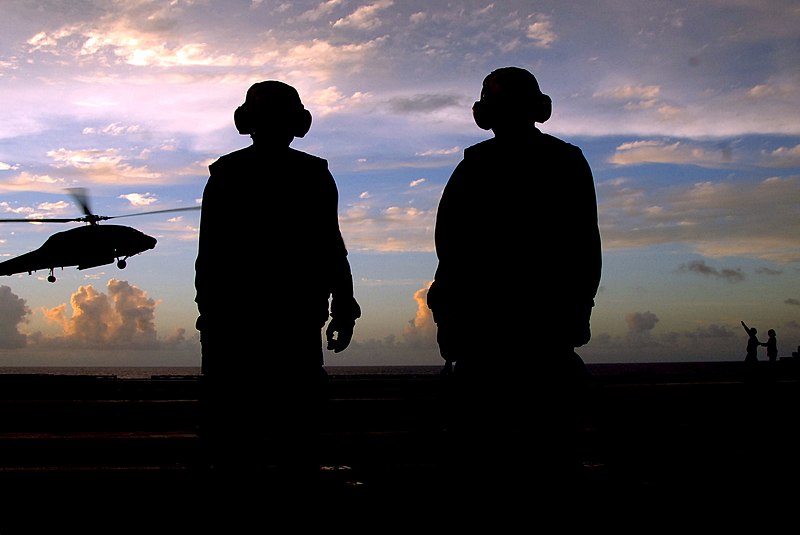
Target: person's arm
344	309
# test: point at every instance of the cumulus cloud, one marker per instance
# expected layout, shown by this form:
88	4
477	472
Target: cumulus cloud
139	200
124	317
641	323
13	312
421	331
121	318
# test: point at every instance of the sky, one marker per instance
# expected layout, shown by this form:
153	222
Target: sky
688	113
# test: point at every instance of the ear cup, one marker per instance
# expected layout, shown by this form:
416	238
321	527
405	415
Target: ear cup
544	110
302	123
481	112
481	115
243	120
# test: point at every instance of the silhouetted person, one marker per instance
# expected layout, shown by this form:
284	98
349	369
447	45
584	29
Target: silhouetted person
772	345
753	344
519	262
271	259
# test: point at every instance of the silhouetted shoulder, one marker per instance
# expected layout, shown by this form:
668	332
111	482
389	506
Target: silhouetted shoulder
538	141
251	154
231	159
308	159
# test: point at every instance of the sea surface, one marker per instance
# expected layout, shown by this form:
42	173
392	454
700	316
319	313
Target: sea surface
599	370
146	372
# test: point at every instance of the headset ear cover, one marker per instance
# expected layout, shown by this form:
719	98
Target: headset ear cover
544	110
480	115
245	122
302	123
483	117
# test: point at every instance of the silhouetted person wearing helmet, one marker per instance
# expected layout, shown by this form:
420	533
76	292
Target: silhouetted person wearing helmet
519	265
271	271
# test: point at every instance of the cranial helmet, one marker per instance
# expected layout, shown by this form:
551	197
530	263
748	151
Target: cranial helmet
511	93
270	106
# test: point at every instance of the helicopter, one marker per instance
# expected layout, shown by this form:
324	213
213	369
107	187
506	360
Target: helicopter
89	246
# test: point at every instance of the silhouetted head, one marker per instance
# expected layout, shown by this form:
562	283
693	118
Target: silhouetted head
511	99
272	110
771	332
753	331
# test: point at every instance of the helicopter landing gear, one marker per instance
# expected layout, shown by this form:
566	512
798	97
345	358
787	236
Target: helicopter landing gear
51	277
121	263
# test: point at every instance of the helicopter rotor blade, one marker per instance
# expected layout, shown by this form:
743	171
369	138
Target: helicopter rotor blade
81	196
185	209
43	220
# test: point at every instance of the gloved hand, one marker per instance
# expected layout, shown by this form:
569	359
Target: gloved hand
344	312
339	334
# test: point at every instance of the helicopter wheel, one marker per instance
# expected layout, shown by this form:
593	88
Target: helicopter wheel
121	264
51	278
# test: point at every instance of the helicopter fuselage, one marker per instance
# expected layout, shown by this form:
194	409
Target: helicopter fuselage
84	247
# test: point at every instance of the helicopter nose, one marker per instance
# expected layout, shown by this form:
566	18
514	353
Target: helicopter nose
150	242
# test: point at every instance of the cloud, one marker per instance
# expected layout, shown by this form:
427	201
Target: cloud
368	227
122	318
640	323
440	152
26	181
712	331
364	17
782	157
322	10
139	199
13	312
715	219
700	267
540	31
679	152
113	129
102	166
636	96
768	271
421	331
424	103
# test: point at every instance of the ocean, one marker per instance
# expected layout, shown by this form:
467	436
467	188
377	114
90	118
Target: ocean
662	369
146	372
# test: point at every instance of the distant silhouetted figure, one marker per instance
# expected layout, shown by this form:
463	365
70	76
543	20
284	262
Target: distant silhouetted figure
519	265
271	259
772	345
752	344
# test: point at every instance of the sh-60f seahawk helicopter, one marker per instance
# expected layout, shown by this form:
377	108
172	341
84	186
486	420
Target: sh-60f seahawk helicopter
86	247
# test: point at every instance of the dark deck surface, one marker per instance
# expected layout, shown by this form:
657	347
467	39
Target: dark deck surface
85	454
